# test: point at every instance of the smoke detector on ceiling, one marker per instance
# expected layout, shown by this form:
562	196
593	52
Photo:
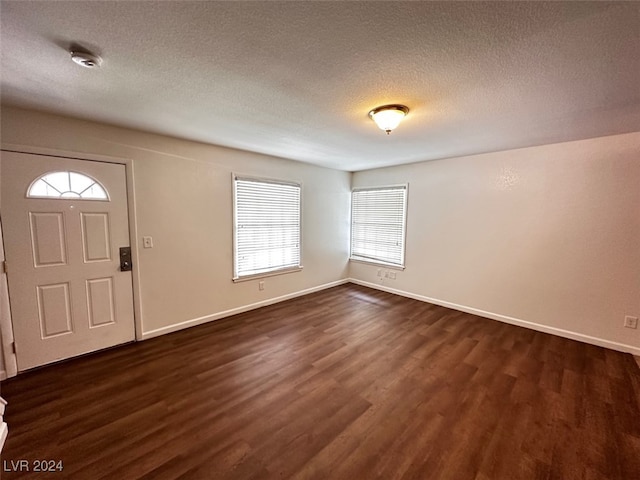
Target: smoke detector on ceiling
86	59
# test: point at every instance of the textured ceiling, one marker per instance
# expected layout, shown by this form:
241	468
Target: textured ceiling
296	79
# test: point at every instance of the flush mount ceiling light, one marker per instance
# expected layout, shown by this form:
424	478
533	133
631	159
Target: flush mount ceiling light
388	117
86	59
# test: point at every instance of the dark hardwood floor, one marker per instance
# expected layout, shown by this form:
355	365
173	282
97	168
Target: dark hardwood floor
348	383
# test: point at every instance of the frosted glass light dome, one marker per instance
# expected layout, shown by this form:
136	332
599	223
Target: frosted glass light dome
388	117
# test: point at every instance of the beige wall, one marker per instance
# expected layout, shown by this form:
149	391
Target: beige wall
543	236
547	235
184	201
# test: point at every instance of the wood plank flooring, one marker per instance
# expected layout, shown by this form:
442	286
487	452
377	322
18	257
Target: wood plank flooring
347	383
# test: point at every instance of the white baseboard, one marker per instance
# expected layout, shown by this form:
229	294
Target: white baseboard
3	375
234	311
621	347
462	308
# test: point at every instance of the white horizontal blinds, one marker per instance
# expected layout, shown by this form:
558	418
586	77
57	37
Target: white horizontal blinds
267	226
378	218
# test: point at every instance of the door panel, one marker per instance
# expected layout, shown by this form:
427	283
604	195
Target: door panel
96	237
54	309
68	295
48	238
100	301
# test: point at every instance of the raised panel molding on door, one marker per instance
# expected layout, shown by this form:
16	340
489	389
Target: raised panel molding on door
54	310
64	222
100	302
96	237
48	238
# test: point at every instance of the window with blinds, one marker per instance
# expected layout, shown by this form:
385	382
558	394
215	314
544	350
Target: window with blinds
266	227
378	221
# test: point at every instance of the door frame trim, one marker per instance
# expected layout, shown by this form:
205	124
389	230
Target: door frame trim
131	207
10	360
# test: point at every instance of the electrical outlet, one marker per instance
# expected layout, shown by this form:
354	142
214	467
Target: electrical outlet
392	275
260	285
386	274
631	322
380	272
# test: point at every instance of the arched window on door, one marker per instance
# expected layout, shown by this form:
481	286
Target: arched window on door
67	185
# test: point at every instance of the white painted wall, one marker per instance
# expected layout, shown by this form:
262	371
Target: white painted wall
184	201
548	235
545	235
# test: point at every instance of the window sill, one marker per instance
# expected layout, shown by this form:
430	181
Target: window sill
393	266
273	273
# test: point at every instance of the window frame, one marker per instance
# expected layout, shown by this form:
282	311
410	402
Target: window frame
60	197
374	261
277	271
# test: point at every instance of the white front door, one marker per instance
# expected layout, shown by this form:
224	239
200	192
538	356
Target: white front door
63	235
